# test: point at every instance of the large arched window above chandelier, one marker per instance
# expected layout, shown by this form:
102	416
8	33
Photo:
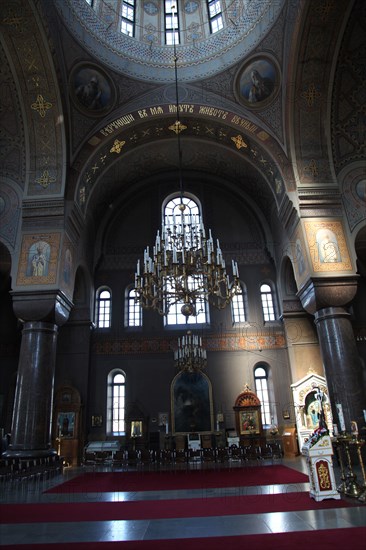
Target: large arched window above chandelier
190	217
185	269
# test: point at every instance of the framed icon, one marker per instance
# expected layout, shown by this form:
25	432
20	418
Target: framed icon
66	424
249	422
97	421
136	428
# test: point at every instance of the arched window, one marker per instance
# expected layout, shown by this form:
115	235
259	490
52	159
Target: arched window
171	23
133	317
128	17
215	15
267	303
261	388
103	308
116	397
238	306
172	215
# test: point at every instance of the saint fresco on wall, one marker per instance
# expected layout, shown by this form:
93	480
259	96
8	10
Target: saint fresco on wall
300	258
67	268
38	259
327	246
361	190
258	82
91	89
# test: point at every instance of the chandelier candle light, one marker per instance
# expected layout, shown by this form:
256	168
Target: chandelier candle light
185	268
190	355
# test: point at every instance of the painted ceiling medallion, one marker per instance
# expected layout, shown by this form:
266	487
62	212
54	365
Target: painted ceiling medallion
151	8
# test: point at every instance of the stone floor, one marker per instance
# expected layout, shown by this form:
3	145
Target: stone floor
179	528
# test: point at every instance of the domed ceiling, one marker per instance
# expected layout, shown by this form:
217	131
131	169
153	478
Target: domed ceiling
200	52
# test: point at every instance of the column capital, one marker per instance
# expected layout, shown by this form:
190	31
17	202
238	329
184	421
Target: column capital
51	306
325	292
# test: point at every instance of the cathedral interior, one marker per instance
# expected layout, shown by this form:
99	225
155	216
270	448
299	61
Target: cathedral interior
252	112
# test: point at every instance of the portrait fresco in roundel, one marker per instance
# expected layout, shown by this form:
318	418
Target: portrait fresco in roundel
361	190
258	82
91	89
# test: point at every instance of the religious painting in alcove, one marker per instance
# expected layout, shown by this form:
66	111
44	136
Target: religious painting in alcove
312	411
91	89
258	82
249	422
38	261
66	424
327	245
191	401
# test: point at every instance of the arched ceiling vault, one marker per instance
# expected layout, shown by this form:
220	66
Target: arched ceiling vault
132	155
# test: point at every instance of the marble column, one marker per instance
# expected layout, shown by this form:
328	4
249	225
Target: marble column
41	313
31	426
342	363
327	299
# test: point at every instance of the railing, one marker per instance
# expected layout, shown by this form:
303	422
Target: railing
21	470
184	458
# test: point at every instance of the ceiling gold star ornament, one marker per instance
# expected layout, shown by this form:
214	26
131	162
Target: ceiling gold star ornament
311	95
45	179
117	146
41	105
177	127
239	142
14	20
312	167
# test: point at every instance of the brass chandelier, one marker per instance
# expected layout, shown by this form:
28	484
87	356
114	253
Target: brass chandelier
190	355
185	268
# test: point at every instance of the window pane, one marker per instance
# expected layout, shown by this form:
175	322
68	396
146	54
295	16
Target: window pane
217	25
189	223
128	17
103	309
215	15
237	305
117	404
171	22
214	7
267	303
261	386
134	310
265	288
259	371
176	317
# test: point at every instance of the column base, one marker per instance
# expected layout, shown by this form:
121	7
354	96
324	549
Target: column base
28	453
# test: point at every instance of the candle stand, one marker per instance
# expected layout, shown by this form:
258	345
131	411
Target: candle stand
349	484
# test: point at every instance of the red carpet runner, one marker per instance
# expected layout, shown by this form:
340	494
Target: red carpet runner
101	482
158	509
203	506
